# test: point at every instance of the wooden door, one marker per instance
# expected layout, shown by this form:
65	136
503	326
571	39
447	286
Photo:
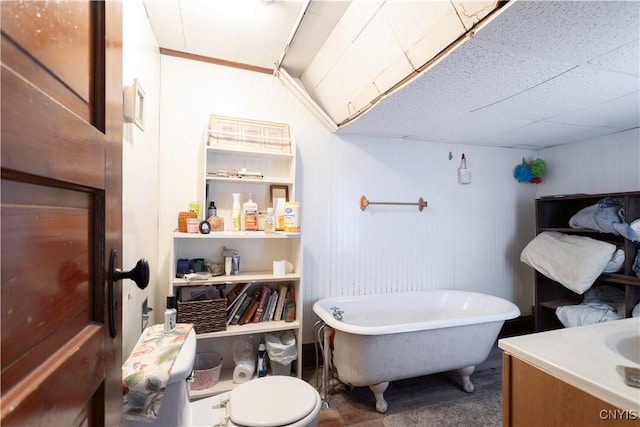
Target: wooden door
61	130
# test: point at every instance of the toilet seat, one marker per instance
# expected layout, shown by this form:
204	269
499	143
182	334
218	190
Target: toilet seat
215	410
254	403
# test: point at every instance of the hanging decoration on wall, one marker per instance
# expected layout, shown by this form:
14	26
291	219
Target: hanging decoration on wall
531	172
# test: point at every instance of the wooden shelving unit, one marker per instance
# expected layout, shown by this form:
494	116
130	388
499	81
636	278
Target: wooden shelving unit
553	214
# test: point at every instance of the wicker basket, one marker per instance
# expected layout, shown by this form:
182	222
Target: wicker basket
206	316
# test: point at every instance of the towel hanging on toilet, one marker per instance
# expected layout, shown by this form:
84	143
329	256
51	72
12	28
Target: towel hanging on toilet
146	371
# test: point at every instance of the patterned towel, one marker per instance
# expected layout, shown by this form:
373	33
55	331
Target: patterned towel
146	372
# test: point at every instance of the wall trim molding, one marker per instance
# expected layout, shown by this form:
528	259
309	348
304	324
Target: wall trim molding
217	61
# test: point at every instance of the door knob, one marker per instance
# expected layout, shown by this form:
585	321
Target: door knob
139	274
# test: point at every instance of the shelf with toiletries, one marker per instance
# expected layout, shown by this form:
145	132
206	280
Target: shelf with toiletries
257	252
554	214
253	171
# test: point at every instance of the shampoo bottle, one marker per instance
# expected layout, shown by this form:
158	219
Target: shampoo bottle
235	213
170	315
250	210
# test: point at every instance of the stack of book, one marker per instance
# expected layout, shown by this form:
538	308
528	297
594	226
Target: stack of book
254	303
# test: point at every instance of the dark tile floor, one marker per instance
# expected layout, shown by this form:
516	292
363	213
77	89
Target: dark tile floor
357	407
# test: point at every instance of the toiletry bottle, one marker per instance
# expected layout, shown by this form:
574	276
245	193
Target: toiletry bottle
235	212
270	222
170	315
262	363
212	209
250	210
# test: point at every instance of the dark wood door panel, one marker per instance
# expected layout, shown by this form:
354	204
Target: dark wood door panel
74	151
52	394
50	288
58	37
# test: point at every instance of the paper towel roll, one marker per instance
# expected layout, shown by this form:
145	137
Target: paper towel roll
243	372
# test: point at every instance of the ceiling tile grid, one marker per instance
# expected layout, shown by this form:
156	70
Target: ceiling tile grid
571	31
575	89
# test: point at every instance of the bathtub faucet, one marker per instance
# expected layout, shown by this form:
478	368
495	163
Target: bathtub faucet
337	313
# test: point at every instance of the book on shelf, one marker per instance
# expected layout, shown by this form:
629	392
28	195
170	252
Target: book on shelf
251	310
264	294
282	295
267	307
234	295
242	309
237	306
272	304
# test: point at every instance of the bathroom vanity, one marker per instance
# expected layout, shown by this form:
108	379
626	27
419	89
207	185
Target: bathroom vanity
570	377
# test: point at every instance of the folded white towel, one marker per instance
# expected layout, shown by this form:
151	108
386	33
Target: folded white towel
573	261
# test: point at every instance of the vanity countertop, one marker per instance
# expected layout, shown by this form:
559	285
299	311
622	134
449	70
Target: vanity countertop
587	357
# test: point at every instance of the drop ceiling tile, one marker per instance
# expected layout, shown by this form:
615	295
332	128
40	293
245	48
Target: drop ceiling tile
411	20
625	59
480	73
377	50
573	90
330	52
397	70
471	12
621	113
572	31
473	127
435	40
357	16
543	134
340	85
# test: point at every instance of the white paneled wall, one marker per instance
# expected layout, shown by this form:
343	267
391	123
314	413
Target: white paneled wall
600	165
141	60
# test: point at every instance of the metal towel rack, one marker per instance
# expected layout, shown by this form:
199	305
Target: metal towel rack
364	203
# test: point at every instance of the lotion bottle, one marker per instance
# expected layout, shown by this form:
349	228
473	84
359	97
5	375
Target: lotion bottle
170	315
250	210
235	213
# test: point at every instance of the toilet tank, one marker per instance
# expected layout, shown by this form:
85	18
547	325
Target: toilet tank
183	365
174	409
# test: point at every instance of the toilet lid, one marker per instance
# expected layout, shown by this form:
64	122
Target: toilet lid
271	401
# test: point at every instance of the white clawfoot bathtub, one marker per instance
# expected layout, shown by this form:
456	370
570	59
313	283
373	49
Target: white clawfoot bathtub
388	337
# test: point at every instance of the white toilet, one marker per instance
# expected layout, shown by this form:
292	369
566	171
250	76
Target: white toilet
265	402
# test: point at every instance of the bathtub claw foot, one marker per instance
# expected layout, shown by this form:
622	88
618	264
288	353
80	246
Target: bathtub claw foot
378	391
465	374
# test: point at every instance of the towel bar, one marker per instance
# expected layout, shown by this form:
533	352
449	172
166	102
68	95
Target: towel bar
364	203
